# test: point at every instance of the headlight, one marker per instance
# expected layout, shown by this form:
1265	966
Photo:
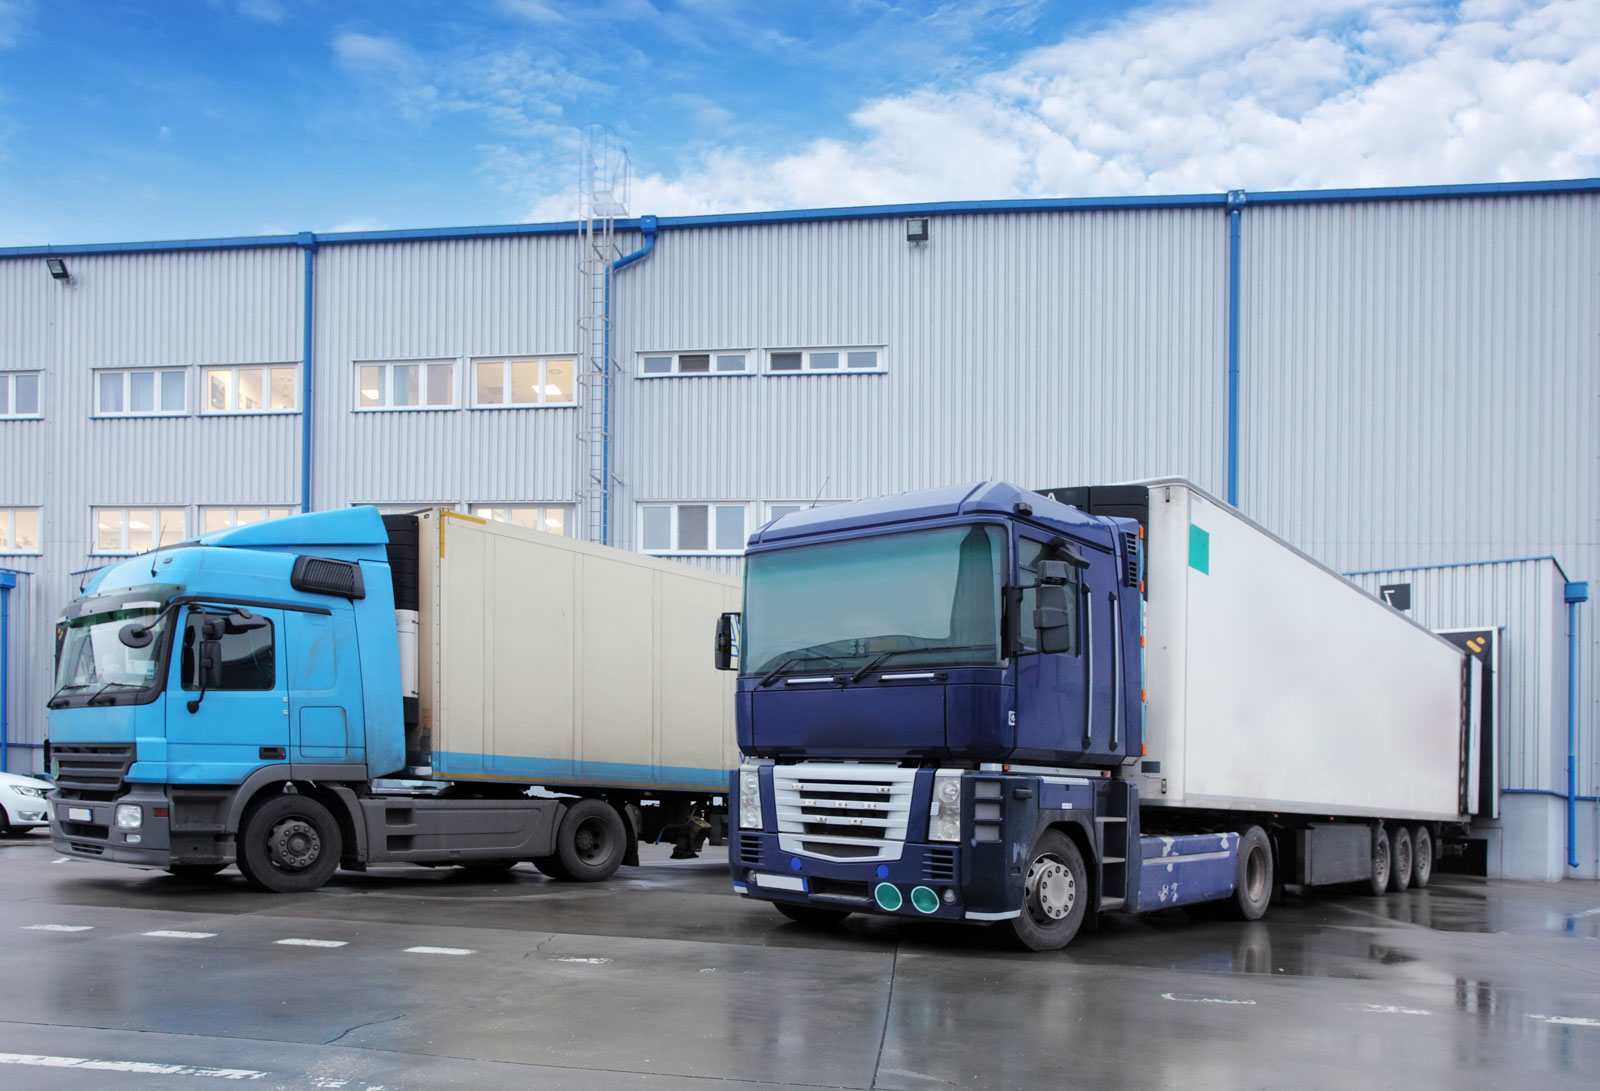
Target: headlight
944	816
24	790
749	797
130	816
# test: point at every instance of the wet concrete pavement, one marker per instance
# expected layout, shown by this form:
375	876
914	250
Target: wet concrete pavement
411	978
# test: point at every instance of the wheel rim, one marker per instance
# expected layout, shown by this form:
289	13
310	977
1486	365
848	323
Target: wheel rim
592	841
294	844
1050	890
1255	875
1380	861
1422	855
1402	861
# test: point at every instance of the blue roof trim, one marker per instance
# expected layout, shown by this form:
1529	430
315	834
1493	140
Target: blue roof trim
825	215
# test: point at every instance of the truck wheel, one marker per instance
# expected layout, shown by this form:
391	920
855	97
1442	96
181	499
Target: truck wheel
289	844
591	841
1400	866
1055	895
1378	881
810	914
1252	876
1421	856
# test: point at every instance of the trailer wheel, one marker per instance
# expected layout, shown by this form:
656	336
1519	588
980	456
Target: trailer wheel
1252	876
1421	856
591	841
289	844
1055	895
1400	866
1378	881
811	915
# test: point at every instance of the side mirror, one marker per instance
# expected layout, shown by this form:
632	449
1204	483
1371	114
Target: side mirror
242	621
1053	617
210	664
726	651
212	628
134	635
1053	573
1070	553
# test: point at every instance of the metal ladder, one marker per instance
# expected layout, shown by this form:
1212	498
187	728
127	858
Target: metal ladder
603	197
1114	847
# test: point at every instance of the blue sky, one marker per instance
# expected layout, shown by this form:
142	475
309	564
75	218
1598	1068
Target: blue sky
193	118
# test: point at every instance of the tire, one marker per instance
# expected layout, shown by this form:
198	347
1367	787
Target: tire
289	844
811	915
1378	882
591	841
1400	866
551	866
1421	856
194	871
6	829
1055	895
1252	876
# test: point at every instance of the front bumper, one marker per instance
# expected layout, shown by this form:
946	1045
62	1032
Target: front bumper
86	830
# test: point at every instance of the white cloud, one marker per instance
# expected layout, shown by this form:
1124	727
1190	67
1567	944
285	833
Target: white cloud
1205	97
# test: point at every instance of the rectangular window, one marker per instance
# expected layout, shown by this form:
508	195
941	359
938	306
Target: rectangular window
19	393
524	381
777	509
1029	552
692	528
212	518
137	530
142	392
406	384
265	389
658	364
247	660
551	518
829	361
19	530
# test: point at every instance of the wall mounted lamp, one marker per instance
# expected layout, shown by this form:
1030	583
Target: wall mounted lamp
58	268
917	229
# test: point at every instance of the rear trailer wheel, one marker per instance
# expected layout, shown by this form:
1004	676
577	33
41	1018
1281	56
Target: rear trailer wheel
289	844
1421	856
1378	881
1400	866
1055	895
1252	876
811	915
591	841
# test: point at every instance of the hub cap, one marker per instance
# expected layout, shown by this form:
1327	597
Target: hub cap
294	844
592	840
1050	890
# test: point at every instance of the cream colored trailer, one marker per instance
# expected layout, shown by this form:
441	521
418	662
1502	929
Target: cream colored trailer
556	662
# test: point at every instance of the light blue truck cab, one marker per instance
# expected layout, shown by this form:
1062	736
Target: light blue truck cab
233	699
939	707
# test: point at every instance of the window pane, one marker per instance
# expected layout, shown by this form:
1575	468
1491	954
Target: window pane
5	530
785	361
558	387
283	382
371	385
693	526
245	516
657	365
5	394
555	520
142	392
26	402
441	384
25	536
525	517
657	528
279	513
491	383
821	361
172	392
213	519
730	526
247	661
492	514
219	389
141	529
111	392
778	511
694	365
171	526
108	531
407	384
252	395
524	382
863	359
732	362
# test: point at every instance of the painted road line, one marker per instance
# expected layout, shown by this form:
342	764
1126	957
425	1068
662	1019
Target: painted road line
166	934
312	942
584	961
1391	1009
440	951
1566	1020
147	1068
60	927
1205	999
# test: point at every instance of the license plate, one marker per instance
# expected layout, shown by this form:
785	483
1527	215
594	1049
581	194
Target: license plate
779	882
79	814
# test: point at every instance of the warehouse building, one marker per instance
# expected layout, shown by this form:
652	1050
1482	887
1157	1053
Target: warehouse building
1403	382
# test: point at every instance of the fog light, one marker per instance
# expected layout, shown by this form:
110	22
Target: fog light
949	896
924	899
133	839
130	816
887	897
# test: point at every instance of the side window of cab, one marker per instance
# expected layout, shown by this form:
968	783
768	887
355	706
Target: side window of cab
1029	552
247	657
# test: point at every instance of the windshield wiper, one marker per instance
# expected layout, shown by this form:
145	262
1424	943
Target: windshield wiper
97	693
881	657
797	657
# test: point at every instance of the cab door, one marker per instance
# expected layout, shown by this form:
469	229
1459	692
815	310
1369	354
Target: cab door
239	720
1052	701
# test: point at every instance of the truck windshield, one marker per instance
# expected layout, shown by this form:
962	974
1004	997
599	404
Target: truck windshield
93	659
923	598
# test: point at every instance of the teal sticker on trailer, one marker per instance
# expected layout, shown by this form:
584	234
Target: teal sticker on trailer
1199	549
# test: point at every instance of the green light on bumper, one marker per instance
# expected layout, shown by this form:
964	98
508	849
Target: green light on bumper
924	899
887	897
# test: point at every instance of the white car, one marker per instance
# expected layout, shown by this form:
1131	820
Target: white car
22	803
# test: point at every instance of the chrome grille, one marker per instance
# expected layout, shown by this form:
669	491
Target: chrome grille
844	811
91	771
